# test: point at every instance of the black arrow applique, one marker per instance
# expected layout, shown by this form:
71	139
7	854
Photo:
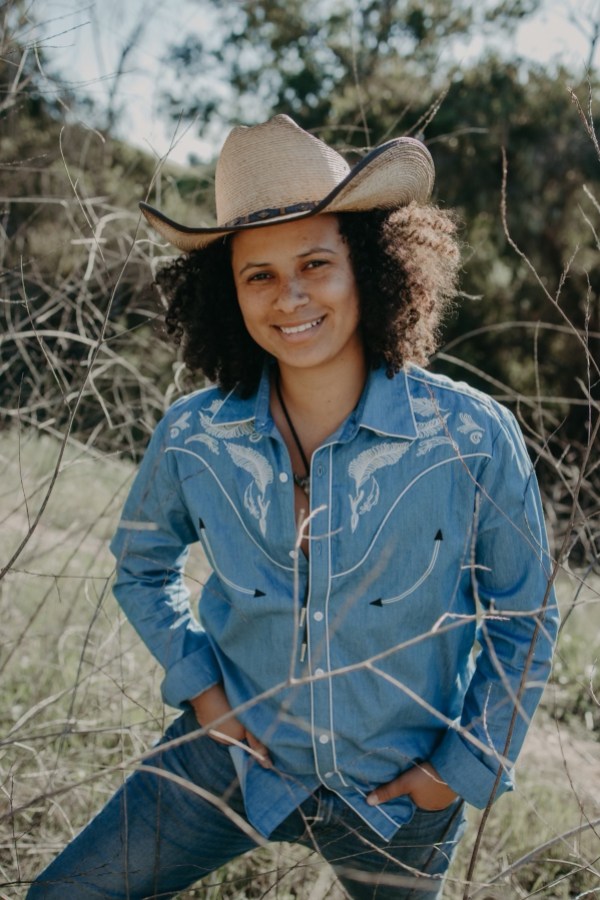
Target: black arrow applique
236	587
436	549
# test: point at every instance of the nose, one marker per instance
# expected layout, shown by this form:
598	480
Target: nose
291	295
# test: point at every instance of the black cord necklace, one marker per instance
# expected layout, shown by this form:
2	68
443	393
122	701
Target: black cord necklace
303	481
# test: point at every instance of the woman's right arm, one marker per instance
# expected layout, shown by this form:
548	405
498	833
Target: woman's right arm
151	547
211	706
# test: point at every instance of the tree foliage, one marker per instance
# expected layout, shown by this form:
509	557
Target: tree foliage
325	61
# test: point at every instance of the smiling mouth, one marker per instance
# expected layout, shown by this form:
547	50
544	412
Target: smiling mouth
298	329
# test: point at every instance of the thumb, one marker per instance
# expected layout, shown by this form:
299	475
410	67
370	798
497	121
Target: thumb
396	788
260	752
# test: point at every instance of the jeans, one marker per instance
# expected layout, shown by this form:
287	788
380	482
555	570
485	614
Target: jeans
157	837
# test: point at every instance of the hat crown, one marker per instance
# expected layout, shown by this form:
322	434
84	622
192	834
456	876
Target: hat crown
277	172
273	166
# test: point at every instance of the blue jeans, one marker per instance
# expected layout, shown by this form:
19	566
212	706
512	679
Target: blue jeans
155	837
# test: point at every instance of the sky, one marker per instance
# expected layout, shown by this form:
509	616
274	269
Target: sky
83	41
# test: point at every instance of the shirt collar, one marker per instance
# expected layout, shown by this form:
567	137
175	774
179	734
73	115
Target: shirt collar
235	410
385	406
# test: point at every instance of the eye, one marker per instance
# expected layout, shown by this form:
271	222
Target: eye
259	276
316	263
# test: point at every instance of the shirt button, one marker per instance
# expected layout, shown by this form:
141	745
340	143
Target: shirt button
317	547
320	470
293	554
324	739
319	672
283	477
318	617
328	775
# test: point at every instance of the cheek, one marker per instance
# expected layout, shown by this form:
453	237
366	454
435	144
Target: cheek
354	312
347	291
245	307
251	315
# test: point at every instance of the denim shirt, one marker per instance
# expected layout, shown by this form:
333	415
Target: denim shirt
405	634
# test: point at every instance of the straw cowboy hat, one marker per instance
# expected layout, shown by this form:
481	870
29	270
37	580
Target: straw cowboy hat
276	171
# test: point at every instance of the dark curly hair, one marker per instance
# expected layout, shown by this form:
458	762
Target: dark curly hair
405	263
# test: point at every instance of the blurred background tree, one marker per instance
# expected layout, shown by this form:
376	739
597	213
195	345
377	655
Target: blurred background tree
334	66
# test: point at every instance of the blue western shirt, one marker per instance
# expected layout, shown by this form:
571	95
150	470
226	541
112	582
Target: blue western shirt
405	635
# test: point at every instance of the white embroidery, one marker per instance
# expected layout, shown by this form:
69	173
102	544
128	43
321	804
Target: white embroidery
428	444
471	428
211	558
423	406
210	442
180	425
225	431
262	476
436	549
181	606
362	469
432	426
253	462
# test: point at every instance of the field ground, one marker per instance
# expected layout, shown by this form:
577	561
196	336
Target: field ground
80	697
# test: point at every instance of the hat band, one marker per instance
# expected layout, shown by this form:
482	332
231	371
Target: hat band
272	213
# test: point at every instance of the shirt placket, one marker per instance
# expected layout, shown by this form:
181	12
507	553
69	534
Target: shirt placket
317	619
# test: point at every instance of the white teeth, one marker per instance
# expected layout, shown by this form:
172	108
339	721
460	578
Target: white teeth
298	328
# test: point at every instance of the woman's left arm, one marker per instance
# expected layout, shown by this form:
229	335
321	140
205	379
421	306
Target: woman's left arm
512	579
422	783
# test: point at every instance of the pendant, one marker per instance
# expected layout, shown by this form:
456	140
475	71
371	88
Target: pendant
303	482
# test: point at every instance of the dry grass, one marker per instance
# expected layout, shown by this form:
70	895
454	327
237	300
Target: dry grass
81	704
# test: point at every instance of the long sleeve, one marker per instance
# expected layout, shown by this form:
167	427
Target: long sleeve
151	548
511	579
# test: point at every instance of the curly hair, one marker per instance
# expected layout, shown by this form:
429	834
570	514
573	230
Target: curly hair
405	262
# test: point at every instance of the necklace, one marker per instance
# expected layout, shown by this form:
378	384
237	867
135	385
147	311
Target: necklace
303	481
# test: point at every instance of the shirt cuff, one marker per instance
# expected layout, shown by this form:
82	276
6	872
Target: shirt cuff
190	676
466	773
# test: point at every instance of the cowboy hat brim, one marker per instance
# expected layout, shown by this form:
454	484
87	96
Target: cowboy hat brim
394	174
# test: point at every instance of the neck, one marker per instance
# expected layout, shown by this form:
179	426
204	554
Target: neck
318	402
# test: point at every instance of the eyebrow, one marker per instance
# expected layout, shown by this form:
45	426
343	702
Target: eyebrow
310	252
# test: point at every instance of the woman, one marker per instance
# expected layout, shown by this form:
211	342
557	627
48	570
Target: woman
356	510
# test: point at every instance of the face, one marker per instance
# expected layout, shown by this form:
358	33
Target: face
297	293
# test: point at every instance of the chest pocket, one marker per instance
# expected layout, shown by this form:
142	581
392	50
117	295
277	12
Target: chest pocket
387	601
